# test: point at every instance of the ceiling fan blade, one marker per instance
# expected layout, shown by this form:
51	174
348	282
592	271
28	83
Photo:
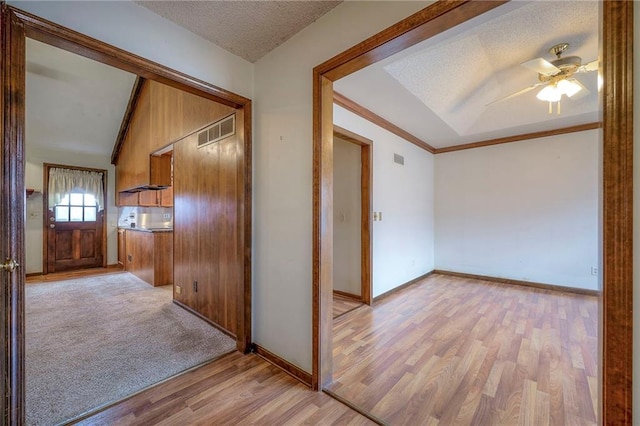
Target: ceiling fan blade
582	93
518	93
591	66
541	66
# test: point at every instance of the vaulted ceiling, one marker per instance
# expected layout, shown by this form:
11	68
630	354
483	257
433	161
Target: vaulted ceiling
73	103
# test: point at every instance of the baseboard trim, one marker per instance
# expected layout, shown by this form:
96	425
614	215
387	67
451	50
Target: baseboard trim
356	408
292	370
207	320
401	287
351	296
33	274
541	286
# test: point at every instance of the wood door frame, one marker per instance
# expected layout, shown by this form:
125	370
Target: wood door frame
17	25
366	198
617	70
45	205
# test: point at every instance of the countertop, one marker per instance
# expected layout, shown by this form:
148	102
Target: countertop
147	229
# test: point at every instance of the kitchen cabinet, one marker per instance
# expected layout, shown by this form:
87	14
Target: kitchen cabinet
122	252
149	255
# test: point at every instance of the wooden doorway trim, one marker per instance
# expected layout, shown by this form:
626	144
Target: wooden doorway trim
617	61
45	207
366	190
16	26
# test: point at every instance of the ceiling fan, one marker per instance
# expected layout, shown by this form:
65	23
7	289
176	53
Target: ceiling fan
556	77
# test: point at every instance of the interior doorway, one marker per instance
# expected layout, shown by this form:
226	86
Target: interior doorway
617	175
18	26
352	215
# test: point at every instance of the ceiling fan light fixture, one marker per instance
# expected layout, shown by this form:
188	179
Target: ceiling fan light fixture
568	87
549	93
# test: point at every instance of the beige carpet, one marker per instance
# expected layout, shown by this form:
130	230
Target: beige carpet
91	341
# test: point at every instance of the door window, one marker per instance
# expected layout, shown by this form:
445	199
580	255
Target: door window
76	207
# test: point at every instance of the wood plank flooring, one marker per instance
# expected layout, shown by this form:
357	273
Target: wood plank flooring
461	351
343	304
235	390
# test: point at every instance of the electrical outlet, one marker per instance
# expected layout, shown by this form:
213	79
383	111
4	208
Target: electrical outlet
594	270
166	216
178	289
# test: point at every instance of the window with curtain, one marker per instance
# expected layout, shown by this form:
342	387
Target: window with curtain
75	195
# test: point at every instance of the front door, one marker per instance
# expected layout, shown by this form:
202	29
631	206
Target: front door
74	228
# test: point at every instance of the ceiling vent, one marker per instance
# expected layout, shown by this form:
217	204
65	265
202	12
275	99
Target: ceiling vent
217	131
397	158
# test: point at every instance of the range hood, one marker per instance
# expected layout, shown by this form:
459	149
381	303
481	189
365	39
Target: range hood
146	188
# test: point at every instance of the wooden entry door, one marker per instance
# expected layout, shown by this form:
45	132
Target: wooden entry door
74	244
74	230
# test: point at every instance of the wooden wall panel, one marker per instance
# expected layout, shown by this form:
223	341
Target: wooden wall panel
206	191
165	115
198	112
185	251
139	139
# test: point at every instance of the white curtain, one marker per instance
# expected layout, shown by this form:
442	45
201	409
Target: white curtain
64	181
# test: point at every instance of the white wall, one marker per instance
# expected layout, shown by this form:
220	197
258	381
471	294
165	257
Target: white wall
131	27
347	216
34	179
283	166
403	244
525	211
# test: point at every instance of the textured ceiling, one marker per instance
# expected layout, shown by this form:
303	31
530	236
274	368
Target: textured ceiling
73	103
442	89
249	29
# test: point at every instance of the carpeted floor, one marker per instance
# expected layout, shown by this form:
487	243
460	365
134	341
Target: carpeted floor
91	341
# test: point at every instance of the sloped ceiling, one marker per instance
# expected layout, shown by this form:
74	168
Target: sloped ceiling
442	89
73	103
249	29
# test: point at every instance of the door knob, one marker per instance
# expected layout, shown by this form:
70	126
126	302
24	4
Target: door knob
52	226
9	265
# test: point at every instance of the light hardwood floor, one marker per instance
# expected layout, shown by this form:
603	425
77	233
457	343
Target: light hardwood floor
343	304
460	351
235	390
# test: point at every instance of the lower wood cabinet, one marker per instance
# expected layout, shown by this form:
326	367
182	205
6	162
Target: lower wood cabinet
122	249
149	256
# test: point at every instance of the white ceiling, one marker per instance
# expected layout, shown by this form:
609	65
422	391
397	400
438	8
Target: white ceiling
73	103
249	29
439	89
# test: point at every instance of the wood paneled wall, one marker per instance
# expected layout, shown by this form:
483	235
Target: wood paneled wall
206	229
162	115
